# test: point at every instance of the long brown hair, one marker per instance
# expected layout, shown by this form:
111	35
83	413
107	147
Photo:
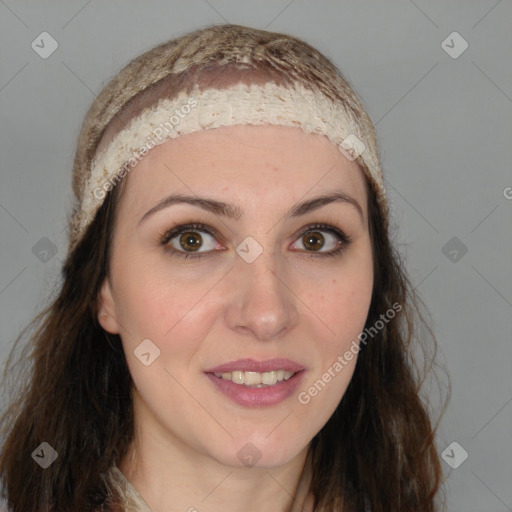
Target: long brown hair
74	389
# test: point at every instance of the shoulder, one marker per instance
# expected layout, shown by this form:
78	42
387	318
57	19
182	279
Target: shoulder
132	500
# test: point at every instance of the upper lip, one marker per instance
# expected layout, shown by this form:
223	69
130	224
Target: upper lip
251	365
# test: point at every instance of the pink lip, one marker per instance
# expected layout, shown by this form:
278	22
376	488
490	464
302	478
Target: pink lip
250	365
257	397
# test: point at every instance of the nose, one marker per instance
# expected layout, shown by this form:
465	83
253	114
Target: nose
262	304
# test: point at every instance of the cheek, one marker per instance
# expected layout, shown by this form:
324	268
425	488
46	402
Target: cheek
342	311
341	301
172	309
345	304
167	310
340	304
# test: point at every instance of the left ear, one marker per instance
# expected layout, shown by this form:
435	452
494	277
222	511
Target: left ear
107	313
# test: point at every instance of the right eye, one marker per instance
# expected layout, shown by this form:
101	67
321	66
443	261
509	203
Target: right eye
186	240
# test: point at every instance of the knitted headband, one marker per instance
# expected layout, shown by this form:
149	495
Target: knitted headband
213	108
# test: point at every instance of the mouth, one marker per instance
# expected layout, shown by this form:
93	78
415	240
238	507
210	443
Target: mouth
255	379
257	383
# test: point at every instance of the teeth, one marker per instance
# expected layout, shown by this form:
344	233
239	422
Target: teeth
238	377
256	379
269	378
253	378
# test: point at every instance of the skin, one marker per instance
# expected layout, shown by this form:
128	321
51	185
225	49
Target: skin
204	312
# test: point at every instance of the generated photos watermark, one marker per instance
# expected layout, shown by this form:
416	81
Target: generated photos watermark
157	136
304	397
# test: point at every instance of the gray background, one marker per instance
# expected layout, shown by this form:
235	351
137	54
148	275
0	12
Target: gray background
445	132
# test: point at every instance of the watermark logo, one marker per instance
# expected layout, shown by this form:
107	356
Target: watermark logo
44	250
454	249
147	352
249	455
454	455
45	455
249	249
454	45
44	45
159	134
352	147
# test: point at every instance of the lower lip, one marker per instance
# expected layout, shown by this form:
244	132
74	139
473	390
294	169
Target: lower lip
257	397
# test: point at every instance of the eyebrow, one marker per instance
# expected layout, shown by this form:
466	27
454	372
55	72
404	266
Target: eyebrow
233	212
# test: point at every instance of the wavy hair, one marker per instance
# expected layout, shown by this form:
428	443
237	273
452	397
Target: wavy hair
71	384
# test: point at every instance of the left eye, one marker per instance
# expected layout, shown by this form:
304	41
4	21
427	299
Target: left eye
314	240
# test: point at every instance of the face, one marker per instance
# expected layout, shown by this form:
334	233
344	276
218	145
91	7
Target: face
234	328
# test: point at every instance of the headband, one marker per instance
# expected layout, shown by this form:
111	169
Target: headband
241	104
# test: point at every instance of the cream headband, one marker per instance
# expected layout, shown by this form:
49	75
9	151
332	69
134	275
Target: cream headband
240	104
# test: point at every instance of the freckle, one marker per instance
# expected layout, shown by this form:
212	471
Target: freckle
333	281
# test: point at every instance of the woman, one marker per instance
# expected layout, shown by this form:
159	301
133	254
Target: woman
234	329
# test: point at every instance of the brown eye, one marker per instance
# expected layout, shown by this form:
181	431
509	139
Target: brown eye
190	241
322	240
313	240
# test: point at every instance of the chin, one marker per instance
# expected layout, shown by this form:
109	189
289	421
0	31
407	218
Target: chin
258	451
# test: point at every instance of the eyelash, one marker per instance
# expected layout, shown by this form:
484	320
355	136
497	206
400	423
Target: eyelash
169	234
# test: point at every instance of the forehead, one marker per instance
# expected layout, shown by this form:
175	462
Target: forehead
261	170
252	157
